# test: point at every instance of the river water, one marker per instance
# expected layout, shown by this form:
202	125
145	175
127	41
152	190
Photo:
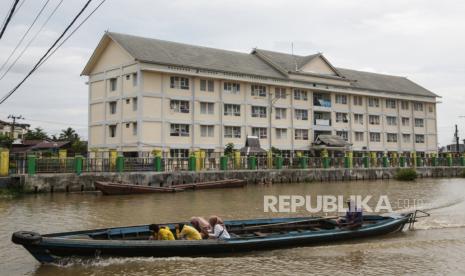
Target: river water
437	246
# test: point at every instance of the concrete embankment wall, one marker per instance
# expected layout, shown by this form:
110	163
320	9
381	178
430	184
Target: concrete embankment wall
85	182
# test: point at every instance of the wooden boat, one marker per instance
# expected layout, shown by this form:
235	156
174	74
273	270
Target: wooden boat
110	188
246	236
227	183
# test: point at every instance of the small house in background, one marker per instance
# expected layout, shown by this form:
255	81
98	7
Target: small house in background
334	144
43	147
19	131
252	147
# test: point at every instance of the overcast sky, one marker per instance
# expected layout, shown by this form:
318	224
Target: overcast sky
423	40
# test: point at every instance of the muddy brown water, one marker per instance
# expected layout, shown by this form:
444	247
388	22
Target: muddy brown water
437	246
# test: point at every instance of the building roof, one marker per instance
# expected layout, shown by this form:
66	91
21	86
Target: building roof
259	63
331	141
172	53
387	83
252	146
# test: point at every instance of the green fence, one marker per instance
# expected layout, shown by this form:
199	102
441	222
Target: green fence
33	165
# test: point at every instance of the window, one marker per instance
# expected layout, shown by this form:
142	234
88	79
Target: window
113	84
341	117
179	130
419	138
134	128
406	138
358	119
134	80
390	103
344	134
418	106
232	87
232	132
280	113
260	132
301	134
300	95
281	133
206	131
404	105
391	120
280	93
128	101
232	110
179	82
405	121
373	120
358	100
375	137
112	107
258	90
134	104
373	102
301	114
341	99
320	99
430	108
419	122
179	153
391	137
358	136
207	85
112	129
207	108
258	111
179	106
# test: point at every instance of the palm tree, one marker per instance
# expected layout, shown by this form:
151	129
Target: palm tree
69	134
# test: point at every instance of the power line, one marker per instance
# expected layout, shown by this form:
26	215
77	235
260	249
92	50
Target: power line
25	34
8	19
46	53
32	40
80	24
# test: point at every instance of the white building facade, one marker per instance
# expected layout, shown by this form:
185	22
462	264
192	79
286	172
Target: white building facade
147	94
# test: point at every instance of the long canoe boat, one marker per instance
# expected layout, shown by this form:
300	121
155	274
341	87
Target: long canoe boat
246	236
111	188
227	183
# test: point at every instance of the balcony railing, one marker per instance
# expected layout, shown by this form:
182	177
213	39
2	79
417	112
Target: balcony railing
322	122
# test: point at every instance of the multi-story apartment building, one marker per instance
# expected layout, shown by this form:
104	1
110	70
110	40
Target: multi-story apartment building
147	94
19	130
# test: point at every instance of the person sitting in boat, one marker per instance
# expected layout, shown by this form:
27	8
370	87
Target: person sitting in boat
202	225
161	233
186	232
219	230
353	218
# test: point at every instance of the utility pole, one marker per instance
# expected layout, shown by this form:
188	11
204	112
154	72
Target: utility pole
13	125
457	140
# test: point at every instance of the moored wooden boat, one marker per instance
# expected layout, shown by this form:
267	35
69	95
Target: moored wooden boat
246	236
227	183
110	188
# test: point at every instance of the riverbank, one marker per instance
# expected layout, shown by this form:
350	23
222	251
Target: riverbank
70	182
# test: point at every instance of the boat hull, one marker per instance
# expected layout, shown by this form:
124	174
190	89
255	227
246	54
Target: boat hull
52	248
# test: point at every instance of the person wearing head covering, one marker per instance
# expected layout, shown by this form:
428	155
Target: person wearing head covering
219	230
202	226
186	232
160	233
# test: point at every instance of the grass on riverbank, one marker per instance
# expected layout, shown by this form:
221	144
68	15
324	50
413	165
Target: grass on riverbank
406	174
8	193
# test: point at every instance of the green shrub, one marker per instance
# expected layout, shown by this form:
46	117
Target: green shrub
406	174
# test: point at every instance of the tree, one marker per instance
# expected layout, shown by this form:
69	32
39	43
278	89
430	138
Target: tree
37	134
69	134
229	149
79	146
5	141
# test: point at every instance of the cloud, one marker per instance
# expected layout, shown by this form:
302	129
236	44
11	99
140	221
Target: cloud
419	39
